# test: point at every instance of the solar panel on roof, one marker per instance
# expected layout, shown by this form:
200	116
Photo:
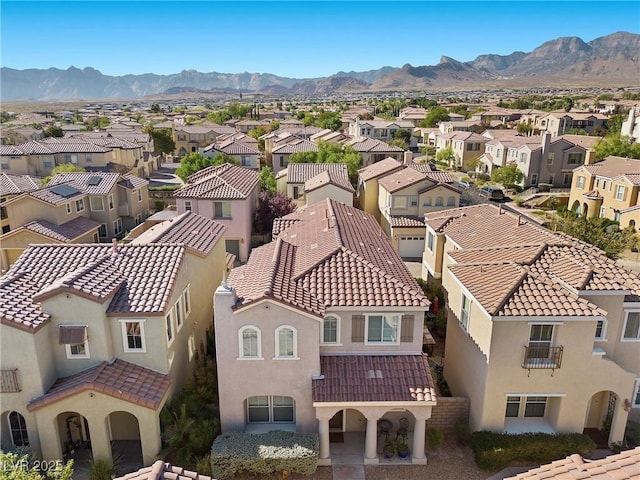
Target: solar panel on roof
65	190
94	180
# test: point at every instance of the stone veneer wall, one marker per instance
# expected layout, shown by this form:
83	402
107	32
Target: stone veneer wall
448	410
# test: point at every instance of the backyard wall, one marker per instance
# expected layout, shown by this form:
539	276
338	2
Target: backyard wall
448	410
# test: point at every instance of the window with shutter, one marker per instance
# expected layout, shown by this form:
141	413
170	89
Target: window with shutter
406	328
357	328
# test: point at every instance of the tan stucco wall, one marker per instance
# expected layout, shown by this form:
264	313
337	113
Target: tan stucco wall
329	191
432	260
369	197
26	209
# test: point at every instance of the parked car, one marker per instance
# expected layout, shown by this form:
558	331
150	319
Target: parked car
492	193
464	184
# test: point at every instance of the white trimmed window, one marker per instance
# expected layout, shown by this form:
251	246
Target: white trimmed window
383	328
465	312
187	206
117	227
249	341
96	204
430	238
636	394
179	314
18	427
78	350
631	330
222	210
286	342
271	409
601	330
513	407
110	202
426	202
80	205
526	407
580	183
620	192
330	329
133	335
168	320
603	212
535	407
186	298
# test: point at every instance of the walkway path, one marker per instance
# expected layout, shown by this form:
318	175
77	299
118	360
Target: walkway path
347	462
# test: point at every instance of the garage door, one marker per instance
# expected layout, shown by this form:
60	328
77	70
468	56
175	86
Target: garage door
411	246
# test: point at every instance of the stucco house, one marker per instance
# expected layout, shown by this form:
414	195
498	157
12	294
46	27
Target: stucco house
373	150
191	138
244	152
110	333
12	186
324	326
368	187
308	183
380	129
531	315
228	194
608	189
467	148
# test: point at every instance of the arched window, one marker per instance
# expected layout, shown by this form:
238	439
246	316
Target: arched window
286	339
18	428
451	202
330	329
439	201
249	342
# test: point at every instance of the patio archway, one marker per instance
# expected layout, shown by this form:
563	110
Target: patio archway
124	433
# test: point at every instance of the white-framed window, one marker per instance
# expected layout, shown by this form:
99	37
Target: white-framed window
413	200
513	407
430	239
550	158
383	328
286	342
96	204
168	321
400	202
603	212
139	193
631	330
620	192
117	227
102	230
110	202
580	183
187	206
18	428
78	350
179	314
534	179
133	335
535	407
465	312
80	205
636	394
574	158
186	298
330	330
68	208
222	210
270	409
601	329
527	407
250	342
523	157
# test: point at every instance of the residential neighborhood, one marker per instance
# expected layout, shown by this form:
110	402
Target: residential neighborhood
344	280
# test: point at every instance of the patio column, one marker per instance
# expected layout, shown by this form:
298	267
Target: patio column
100	441
371	441
418	455
323	429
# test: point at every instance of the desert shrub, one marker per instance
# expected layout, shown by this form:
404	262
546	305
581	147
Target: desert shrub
462	431
264	454
632	434
544	187
434	437
518	201
494	451
445	391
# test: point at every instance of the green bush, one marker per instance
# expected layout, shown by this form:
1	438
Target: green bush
632	434
463	431
518	201
544	187
494	451
165	188
434	437
264	454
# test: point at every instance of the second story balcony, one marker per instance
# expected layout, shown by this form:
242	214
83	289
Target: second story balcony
542	357
9	381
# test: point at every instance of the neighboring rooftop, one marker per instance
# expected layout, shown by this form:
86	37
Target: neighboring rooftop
15	184
223	182
163	471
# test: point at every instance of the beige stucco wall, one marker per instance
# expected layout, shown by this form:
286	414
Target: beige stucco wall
369	197
26	209
432	260
240	379
329	191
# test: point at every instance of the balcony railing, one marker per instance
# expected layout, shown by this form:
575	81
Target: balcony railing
542	357
9	381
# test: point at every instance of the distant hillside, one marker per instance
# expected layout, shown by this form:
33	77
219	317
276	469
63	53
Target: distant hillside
613	60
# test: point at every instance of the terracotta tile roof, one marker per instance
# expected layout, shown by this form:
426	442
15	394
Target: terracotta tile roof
10	151
198	233
236	147
194	129
67	232
329	177
613	167
34	148
584	141
301	172
223	182
369	378
332	255
401	179
378	169
93	183
522	254
436	185
71	145
163	471
118	379
422	167
365	144
282	223
296	145
149	273
511	290
621	466
14	184
132	182
399	221
476	226
440	177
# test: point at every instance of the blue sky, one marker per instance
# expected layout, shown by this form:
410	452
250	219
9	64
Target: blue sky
290	38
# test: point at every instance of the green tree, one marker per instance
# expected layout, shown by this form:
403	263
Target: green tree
330	120
567	104
507	175
194	162
618	145
53	131
524	128
630	96
445	155
435	116
329	152
62	168
401	138
96	123
219	117
17	466
155	108
257	132
267	179
163	140
274	125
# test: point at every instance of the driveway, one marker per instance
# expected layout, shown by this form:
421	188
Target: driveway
165	175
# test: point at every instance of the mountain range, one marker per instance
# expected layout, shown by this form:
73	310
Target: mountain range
612	60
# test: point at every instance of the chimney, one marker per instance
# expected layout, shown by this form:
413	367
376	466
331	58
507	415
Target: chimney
589	157
408	157
114	246
546	142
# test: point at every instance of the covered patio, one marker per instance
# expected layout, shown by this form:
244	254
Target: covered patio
375	398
